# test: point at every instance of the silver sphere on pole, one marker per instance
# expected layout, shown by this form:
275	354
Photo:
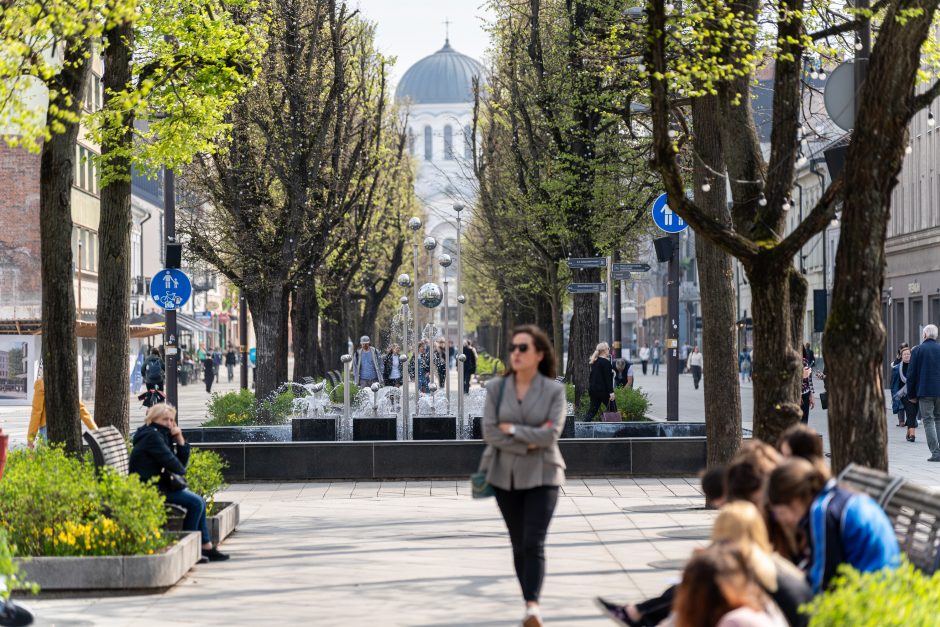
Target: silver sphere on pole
415	223
403	300
461	299
404	280
461	358
430	243
458	207
430	295
375	387
445	260
432	387
345	358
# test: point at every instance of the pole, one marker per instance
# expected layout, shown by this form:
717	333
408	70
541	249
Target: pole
446	348
417	361
405	401
618	314
458	345
610	309
672	343
243	339
862	52
171	333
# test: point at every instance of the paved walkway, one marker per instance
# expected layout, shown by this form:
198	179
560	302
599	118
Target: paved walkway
415	553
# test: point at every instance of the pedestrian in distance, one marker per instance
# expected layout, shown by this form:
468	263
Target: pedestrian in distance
153	372
684	359
367	368
656	356
208	372
923	387
841	526
161	451
230	361
523	418
695	366
809	355
601	382
807	393
901	405
217	359
744	364
421	361
469	365
623	373
440	361
451	354
644	357
393	372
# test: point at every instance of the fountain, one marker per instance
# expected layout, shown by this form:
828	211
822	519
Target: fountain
312	423
376	426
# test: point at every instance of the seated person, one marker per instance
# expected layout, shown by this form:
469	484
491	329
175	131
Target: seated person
801	440
37	417
160	449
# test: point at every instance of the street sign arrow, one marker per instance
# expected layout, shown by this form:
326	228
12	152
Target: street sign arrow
586	288
587	262
631	267
619	275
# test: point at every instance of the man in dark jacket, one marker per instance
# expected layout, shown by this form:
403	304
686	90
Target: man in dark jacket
923	387
470	365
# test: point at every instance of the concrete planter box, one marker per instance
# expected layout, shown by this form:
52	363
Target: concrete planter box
434	427
222	524
477	428
370	429
314	429
131	572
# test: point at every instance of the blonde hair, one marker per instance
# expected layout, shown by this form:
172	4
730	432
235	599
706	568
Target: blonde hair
158	411
603	346
742	523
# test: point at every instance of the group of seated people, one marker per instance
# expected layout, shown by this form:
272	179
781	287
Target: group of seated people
783	529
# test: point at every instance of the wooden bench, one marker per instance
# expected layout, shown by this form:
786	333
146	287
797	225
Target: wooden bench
109	448
483	377
914	512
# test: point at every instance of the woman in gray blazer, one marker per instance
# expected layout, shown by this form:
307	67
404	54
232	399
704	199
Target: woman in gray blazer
522	420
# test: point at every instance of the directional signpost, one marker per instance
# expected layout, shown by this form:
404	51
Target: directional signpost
631	267
170	289
579	263
587	288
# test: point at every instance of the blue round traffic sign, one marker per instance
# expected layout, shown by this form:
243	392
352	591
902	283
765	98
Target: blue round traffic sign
170	288
665	218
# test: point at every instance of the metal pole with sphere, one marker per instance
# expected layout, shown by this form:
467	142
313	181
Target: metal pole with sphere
347	365
404	281
430	296
415	225
458	207
446	261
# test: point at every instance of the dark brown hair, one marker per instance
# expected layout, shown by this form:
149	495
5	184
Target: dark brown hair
749	470
542	345
803	441
796	480
713	485
715	581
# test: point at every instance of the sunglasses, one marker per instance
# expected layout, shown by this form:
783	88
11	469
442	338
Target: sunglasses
520	347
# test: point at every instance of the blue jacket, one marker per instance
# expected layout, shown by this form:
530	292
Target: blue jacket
896	385
847	528
923	375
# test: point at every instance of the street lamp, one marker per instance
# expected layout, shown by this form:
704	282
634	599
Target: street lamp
461	299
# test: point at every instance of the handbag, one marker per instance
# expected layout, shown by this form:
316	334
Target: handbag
611	415
479	487
173	482
824	400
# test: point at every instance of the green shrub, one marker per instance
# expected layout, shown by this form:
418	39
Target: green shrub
52	504
276	411
231	409
889	598
632	403
10	571
486	362
336	396
204	475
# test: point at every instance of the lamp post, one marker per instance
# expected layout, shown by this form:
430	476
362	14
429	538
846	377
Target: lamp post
446	261
461	299
415	225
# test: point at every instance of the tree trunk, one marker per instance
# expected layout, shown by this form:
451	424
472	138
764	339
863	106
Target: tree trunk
59	341
716	277
557	322
333	341
776	369
305	318
112	381
583	335
269	312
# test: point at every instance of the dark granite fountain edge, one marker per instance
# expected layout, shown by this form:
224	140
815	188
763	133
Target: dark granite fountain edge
442	459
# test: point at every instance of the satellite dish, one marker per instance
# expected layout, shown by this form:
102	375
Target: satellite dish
840	96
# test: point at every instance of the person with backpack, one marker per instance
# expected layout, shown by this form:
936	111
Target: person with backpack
153	372
230	361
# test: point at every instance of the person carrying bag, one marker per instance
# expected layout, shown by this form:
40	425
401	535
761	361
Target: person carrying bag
523	419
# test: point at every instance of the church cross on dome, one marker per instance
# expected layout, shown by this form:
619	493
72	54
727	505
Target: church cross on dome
447	24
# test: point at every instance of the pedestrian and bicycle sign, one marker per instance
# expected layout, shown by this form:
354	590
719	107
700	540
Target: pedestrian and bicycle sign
579	263
665	218
586	288
170	289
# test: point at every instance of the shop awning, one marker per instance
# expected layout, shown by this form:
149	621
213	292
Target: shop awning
191	324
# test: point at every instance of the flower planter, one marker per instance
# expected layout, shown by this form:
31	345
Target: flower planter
121	572
224	522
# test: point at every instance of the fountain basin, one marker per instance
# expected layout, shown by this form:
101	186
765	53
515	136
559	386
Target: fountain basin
314	429
476	432
434	427
375	428
254	433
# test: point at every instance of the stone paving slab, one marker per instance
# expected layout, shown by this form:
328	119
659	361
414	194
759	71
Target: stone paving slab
412	554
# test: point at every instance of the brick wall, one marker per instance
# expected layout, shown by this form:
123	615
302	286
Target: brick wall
20	287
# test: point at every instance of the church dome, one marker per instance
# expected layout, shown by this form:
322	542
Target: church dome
443	77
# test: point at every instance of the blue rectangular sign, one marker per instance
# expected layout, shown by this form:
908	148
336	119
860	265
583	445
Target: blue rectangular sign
587	262
586	288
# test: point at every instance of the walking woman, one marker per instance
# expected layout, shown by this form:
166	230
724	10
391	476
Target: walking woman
695	365
522	420
901	405
601	383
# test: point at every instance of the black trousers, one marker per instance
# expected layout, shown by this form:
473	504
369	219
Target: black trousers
596	403
654	611
527	514
696	375
804	405
643	363
466	380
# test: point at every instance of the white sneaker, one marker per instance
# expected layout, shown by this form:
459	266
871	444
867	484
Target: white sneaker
533	617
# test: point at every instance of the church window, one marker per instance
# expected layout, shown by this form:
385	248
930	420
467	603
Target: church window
448	142
428	144
411	141
467	143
